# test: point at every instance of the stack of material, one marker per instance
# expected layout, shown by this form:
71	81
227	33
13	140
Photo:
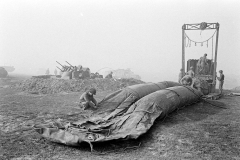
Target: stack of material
128	119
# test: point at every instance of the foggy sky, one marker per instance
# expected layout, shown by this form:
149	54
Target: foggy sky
144	36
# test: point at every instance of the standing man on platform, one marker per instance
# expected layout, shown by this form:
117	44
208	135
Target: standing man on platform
202	65
190	72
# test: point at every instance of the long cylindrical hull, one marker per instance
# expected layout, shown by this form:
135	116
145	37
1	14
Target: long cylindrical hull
131	123
121	100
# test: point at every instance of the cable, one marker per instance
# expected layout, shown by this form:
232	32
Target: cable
212	48
200	97
199	41
212	57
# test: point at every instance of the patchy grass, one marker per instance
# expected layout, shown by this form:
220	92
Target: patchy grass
199	131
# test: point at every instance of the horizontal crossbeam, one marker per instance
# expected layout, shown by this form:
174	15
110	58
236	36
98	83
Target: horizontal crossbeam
197	26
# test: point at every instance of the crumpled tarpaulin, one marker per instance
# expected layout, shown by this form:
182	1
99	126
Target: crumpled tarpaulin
131	122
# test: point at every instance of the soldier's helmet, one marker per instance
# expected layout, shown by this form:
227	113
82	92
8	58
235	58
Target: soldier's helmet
93	91
79	67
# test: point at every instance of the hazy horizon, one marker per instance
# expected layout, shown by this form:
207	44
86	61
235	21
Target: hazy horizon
145	36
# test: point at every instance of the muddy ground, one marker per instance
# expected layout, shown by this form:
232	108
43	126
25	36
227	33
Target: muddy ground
199	131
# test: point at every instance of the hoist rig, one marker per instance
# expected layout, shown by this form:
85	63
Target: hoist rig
211	76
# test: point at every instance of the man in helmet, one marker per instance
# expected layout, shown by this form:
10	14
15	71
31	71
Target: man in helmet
190	72
186	80
87	100
221	81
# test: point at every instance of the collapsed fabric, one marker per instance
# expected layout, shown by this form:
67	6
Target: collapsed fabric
131	122
118	102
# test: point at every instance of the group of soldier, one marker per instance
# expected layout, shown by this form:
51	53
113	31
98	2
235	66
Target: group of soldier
188	78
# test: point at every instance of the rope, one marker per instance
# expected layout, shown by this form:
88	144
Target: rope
185	41
104	68
200	97
188	43
186	36
212	48
212	57
172	91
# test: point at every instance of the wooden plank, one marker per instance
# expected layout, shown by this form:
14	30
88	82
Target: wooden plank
183	49
215	60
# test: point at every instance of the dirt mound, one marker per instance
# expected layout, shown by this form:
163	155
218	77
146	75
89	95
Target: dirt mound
3	72
49	86
236	89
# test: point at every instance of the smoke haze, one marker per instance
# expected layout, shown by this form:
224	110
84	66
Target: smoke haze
144	36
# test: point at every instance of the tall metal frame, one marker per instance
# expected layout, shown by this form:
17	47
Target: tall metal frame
197	26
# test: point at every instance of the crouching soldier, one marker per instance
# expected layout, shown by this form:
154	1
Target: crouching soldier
186	80
87	100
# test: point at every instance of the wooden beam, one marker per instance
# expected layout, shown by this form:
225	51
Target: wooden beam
215	59
199	29
200	23
197	26
183	49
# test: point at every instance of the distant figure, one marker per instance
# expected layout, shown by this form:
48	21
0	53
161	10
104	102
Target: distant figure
93	76
85	74
202	65
55	71
181	75
47	72
221	81
109	76
98	75
186	80
79	67
87	100
190	72
76	73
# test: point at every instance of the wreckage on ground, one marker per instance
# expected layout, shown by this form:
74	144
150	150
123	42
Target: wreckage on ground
124	114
